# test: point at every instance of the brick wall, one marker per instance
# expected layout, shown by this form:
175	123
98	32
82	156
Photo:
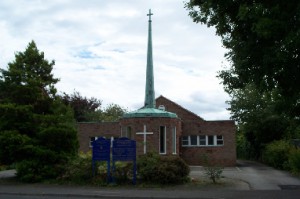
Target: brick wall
153	125
188	124
86	130
193	124
218	155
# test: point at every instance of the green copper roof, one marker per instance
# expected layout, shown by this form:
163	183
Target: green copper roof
149	90
149	112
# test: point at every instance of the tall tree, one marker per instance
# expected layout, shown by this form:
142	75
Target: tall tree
89	109
112	112
37	130
263	41
258	120
83	107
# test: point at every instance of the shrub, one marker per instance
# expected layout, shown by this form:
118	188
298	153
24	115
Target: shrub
40	164
11	146
294	161
214	173
123	172
244	149
211	171
153	168
78	170
276	154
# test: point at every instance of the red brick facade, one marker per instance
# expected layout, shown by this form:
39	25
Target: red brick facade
86	130
192	124
187	124
153	125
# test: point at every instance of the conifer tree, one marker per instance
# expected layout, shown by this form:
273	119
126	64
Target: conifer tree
37	131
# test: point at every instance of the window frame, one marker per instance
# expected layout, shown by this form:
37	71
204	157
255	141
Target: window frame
210	141
185	140
174	140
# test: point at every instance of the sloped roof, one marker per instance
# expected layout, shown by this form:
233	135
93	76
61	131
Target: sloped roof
180	107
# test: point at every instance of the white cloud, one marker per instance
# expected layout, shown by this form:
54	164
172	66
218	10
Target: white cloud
100	50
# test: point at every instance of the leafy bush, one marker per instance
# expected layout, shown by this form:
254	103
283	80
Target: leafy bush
123	172
294	161
214	173
12	144
40	164
79	170
153	168
276	154
244	149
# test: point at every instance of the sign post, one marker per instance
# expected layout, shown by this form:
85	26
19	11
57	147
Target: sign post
101	152
124	149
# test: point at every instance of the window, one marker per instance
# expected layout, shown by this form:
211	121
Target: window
162	140
128	132
220	141
185	140
210	140
194	140
174	140
202	140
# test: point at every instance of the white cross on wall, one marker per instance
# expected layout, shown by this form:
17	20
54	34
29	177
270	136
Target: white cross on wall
145	133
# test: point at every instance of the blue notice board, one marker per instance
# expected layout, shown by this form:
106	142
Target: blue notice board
101	152
124	149
101	149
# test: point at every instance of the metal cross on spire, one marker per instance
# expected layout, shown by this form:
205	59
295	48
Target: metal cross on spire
149	14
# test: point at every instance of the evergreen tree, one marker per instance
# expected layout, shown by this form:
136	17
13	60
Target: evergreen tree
37	131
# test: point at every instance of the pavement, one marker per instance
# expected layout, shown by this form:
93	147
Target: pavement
246	180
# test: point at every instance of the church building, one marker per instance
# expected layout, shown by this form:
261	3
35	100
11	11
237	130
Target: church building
164	127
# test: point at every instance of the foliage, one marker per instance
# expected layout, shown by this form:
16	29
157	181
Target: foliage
12	146
82	106
244	149
262	38
156	169
294	161
37	130
211	170
89	109
276	154
213	173
78	170
282	155
42	164
257	115
112	113
123	173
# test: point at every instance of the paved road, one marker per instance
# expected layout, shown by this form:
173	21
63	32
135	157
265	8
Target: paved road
257	175
264	182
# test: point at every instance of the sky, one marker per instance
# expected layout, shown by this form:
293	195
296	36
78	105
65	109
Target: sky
100	50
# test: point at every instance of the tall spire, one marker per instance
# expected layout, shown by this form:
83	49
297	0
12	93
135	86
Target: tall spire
149	91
